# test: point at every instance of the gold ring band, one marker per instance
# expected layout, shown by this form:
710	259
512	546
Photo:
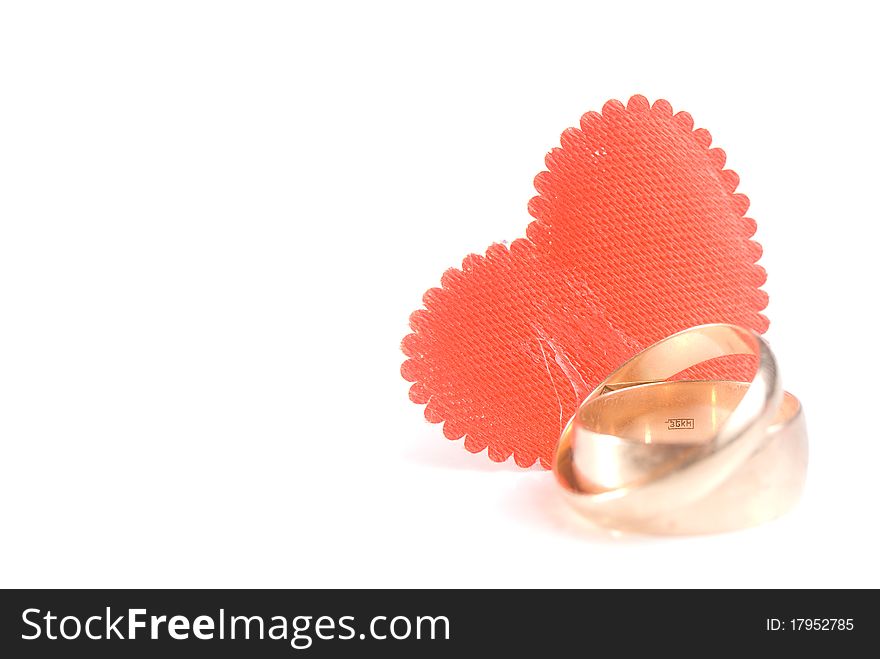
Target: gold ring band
647	454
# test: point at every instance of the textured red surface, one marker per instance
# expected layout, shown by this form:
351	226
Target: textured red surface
638	233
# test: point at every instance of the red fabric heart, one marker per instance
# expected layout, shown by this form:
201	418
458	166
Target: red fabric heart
638	234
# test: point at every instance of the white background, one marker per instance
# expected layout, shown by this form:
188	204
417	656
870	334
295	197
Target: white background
215	219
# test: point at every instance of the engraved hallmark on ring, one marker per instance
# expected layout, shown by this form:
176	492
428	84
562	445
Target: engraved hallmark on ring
680	424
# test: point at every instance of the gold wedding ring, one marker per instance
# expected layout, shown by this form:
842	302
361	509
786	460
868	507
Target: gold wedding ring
647	454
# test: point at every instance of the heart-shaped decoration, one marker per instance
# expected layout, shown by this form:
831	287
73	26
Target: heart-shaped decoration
638	233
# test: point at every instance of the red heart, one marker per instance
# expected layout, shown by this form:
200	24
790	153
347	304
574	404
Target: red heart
638	233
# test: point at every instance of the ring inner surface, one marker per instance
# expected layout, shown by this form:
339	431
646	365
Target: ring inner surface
676	412
685	412
636	434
